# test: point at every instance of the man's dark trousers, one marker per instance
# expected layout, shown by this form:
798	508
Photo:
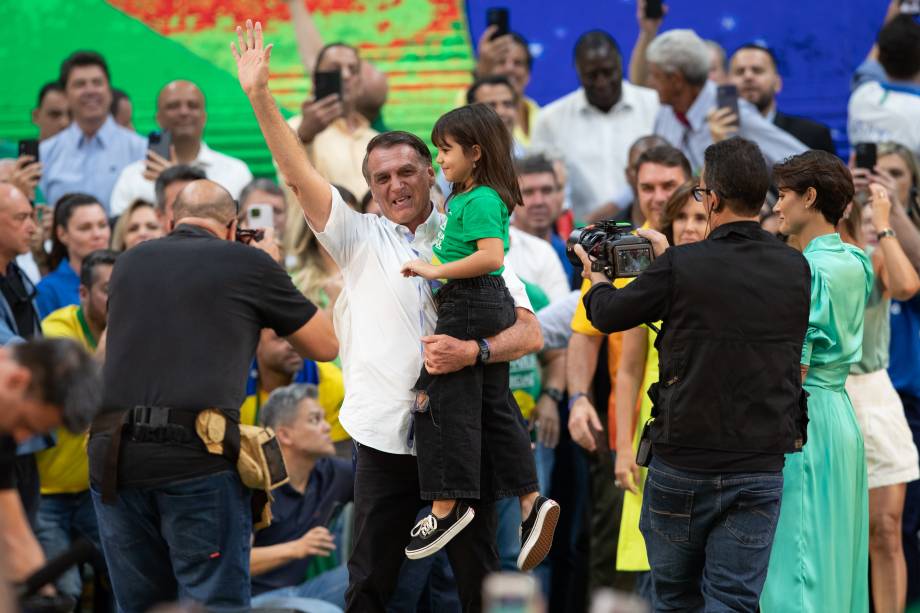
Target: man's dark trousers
387	501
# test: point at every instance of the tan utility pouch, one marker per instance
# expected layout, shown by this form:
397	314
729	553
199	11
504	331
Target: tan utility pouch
255	452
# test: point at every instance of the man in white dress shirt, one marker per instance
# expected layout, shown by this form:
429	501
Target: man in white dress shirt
181	112
384	323
595	126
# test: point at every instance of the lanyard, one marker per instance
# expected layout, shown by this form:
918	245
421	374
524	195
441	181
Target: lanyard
90	339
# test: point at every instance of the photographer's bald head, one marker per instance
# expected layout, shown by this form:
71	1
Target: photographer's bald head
206	204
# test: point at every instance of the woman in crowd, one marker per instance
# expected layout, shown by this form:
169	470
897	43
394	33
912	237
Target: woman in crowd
684	221
891	456
820	553
80	227
137	224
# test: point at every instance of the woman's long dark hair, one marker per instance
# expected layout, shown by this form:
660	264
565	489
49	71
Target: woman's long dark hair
478	124
63	211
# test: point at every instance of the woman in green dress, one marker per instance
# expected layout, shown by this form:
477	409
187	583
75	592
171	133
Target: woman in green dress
820	553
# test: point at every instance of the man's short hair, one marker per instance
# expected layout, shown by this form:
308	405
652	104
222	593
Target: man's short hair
63	374
50	86
534	164
179	172
207	200
594	40
117	96
261	184
681	51
394	138
100	257
665	155
826	173
283	404
490	80
759	47
736	171
79	59
899	48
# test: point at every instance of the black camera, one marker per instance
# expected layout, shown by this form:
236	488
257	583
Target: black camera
615	250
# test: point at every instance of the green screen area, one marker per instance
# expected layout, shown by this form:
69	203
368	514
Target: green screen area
423	46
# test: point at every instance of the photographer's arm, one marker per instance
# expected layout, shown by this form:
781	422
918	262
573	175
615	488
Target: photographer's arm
311	189
444	354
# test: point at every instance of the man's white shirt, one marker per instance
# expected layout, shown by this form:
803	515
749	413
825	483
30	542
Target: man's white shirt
535	261
228	172
380	317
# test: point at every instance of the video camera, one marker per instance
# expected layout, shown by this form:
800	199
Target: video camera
615	250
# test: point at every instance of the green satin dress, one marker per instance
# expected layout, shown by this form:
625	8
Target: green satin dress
820	556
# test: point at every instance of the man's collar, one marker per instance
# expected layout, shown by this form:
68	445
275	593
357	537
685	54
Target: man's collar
104	135
705	101
206	156
431	224
625	103
748	229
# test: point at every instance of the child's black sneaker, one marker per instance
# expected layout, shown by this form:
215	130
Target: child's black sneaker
537	533
432	533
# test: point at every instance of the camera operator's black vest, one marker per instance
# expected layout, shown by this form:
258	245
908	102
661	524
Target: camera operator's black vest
730	346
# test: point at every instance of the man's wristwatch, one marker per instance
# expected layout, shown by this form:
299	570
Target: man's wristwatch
484	351
886	232
554	393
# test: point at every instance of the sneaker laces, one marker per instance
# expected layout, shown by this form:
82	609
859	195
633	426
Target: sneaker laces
425	527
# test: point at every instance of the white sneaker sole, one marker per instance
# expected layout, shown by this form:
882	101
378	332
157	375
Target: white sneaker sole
541	537
445	538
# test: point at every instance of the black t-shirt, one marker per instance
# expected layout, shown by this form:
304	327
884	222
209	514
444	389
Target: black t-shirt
20	472
294	514
7	463
20	301
185	313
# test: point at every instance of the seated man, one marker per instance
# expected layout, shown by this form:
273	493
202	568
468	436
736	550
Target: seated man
298	543
277	365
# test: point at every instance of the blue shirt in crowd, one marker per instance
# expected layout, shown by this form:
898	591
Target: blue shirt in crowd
74	163
690	132
904	367
294	514
59	289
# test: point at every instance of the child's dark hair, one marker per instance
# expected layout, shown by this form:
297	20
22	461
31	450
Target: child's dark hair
478	124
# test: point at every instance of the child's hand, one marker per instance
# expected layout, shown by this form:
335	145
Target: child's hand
419	268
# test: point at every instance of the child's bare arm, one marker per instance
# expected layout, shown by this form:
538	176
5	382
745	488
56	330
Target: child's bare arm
489	256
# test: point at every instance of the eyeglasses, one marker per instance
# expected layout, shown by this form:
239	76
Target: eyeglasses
699	192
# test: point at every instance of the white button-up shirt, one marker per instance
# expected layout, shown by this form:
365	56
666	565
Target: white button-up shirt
880	112
228	172
380	317
535	261
596	144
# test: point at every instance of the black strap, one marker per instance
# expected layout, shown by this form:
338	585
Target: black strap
232	441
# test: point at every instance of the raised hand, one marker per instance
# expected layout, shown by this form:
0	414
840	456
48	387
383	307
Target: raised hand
252	58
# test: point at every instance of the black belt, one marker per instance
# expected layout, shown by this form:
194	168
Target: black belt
152	424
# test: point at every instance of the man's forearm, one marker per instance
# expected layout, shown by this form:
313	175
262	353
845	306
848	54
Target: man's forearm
638	65
18	544
554	369
311	190
309	40
522	338
264	559
581	362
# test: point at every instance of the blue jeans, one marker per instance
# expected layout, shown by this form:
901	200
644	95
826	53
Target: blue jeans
62	518
324	593
188	540
709	537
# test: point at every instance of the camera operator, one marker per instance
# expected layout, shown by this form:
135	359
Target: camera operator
728	404
174	519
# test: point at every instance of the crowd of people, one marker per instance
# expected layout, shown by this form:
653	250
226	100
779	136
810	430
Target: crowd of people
371	381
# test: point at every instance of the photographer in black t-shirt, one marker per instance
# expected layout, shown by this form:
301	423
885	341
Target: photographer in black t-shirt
179	522
728	401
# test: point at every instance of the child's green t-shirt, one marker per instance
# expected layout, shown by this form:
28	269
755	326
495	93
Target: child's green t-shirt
473	215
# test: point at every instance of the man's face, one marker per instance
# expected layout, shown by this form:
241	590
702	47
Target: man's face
308	434
668	85
52	116
347	61
30	418
656	183
170	193
538	213
753	73
279	207
95	299
88	93
401	184
180	109
17	224
601	75
502	100
277	355
514	67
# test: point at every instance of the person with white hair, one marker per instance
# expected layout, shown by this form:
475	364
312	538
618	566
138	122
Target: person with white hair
676	63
